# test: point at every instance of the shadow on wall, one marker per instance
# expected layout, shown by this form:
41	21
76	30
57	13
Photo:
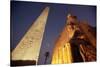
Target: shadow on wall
22	62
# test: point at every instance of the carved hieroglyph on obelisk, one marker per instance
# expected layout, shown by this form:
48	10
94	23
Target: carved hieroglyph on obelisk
29	46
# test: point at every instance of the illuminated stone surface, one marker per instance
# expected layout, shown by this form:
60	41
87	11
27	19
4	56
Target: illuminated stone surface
29	46
62	50
76	43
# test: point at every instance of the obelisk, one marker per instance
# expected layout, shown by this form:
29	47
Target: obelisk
29	46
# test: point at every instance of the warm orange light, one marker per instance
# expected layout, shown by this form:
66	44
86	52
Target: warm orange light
62	55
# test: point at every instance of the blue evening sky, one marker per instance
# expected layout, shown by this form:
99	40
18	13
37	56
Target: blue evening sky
23	14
